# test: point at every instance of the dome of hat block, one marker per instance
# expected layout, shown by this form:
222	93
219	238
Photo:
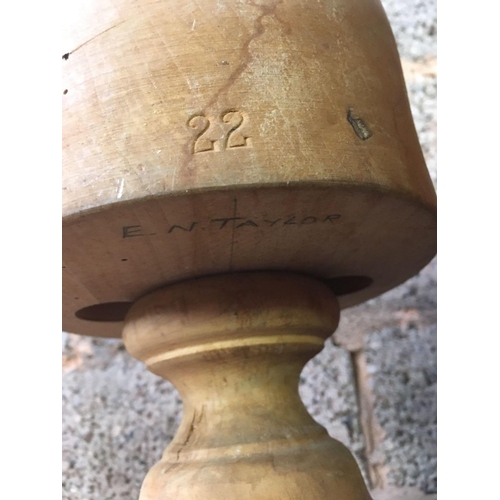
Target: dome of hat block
218	136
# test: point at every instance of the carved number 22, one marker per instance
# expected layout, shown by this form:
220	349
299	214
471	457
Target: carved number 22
232	138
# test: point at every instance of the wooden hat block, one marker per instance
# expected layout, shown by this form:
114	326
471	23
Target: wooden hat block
234	174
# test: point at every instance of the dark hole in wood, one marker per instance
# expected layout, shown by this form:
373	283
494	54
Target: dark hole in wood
106	312
348	284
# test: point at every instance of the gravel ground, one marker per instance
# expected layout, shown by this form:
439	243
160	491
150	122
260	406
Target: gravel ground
414	23
403	382
117	419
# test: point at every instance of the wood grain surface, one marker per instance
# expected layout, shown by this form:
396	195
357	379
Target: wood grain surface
217	136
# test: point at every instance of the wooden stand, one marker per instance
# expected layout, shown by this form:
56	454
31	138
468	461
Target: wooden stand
234	346
208	141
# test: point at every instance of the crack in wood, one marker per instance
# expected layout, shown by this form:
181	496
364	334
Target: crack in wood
66	56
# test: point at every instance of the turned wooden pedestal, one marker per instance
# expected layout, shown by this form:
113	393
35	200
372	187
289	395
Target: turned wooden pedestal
234	346
234	174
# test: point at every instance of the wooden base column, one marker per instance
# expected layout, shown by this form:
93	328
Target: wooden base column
234	346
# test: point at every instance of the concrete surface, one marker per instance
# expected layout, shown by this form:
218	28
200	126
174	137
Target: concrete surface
375	389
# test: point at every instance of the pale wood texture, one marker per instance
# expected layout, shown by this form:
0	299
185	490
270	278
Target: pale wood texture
204	138
234	347
214	136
